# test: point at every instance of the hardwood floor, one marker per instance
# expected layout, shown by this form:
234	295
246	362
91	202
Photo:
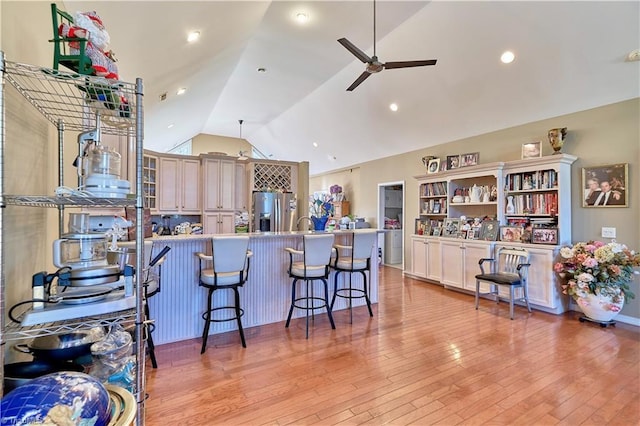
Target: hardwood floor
426	357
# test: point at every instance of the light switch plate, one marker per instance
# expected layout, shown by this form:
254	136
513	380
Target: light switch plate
608	232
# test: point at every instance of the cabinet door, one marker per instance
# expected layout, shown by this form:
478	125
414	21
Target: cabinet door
149	182
472	253
542	282
211	184
227	184
452	263
169	183
227	223
419	255
433	260
241	187
210	223
190	186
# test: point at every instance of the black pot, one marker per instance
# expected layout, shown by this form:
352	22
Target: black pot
20	373
59	347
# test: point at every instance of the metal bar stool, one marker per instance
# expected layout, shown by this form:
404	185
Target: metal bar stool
316	256
350	259
230	260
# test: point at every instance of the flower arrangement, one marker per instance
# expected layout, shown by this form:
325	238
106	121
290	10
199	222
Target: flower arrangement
597	268
320	205
335	189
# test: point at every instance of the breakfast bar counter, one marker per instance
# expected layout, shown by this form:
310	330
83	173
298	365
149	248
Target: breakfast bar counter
266	296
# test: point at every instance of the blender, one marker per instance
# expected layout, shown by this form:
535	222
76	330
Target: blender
99	166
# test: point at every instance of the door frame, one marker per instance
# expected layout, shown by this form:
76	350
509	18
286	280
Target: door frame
381	205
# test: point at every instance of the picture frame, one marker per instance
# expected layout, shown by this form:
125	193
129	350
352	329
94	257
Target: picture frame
469	159
434	166
532	150
453	162
436	207
437	231
451	227
462	234
511	233
544	236
473	233
605	186
419	227
489	230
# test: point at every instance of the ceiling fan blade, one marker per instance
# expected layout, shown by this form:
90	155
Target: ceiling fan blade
408	64
354	50
359	80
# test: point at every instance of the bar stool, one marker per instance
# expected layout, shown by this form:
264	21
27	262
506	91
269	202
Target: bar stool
230	259
316	255
350	259
150	279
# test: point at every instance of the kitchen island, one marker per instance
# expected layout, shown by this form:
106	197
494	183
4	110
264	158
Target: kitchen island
266	296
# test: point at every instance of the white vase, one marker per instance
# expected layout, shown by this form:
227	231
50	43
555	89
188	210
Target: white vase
598	307
510	207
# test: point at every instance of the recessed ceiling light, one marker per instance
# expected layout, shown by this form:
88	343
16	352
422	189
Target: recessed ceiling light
315	144
261	70
393	107
181	91
193	36
507	57
170	126
302	18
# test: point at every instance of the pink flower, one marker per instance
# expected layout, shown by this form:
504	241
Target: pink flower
590	263
558	267
615	269
598	244
590	248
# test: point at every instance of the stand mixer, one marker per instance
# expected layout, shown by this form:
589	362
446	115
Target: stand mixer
99	166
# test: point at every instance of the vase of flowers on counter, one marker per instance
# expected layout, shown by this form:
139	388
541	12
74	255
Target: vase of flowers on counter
320	208
336	193
597	275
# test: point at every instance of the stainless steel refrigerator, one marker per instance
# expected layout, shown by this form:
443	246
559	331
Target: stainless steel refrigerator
273	211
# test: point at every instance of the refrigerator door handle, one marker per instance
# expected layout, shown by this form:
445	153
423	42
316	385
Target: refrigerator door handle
278	214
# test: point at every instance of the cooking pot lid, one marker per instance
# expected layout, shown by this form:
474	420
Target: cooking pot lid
95	271
83	236
80	295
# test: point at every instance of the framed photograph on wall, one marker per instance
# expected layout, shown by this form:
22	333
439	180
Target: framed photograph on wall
470	159
606	186
451	227
434	166
544	236
532	150
453	162
489	230
511	233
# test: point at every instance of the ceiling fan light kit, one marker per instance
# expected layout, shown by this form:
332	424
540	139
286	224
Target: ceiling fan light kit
373	64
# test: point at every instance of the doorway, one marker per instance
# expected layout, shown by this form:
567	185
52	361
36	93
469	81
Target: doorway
391	220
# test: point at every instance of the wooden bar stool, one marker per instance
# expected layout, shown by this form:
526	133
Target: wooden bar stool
229	271
314	266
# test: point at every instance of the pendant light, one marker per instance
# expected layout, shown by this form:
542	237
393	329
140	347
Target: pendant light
241	155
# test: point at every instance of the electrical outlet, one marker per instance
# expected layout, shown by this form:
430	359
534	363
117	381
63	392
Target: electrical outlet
608	232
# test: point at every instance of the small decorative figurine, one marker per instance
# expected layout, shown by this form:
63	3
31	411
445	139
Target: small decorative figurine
556	138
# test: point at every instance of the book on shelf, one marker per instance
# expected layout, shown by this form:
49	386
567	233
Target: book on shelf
541	179
434	189
536	203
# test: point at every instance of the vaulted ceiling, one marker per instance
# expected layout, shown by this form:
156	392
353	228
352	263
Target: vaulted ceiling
570	56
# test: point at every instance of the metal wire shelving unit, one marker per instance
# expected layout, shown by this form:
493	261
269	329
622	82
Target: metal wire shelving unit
77	103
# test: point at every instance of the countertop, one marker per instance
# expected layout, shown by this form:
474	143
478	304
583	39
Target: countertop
195	237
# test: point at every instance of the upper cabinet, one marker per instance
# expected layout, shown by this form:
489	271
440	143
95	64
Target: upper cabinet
179	185
219	184
241	192
150	182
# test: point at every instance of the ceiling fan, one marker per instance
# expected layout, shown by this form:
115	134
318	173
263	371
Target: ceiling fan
373	64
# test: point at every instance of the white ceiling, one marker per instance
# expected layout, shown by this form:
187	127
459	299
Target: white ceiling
570	56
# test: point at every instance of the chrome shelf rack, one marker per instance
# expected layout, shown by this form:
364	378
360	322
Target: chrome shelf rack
77	103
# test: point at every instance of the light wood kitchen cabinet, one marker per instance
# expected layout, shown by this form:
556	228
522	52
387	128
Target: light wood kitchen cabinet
219	223
241	192
179	185
419	256
219	184
459	260
434	266
150	182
